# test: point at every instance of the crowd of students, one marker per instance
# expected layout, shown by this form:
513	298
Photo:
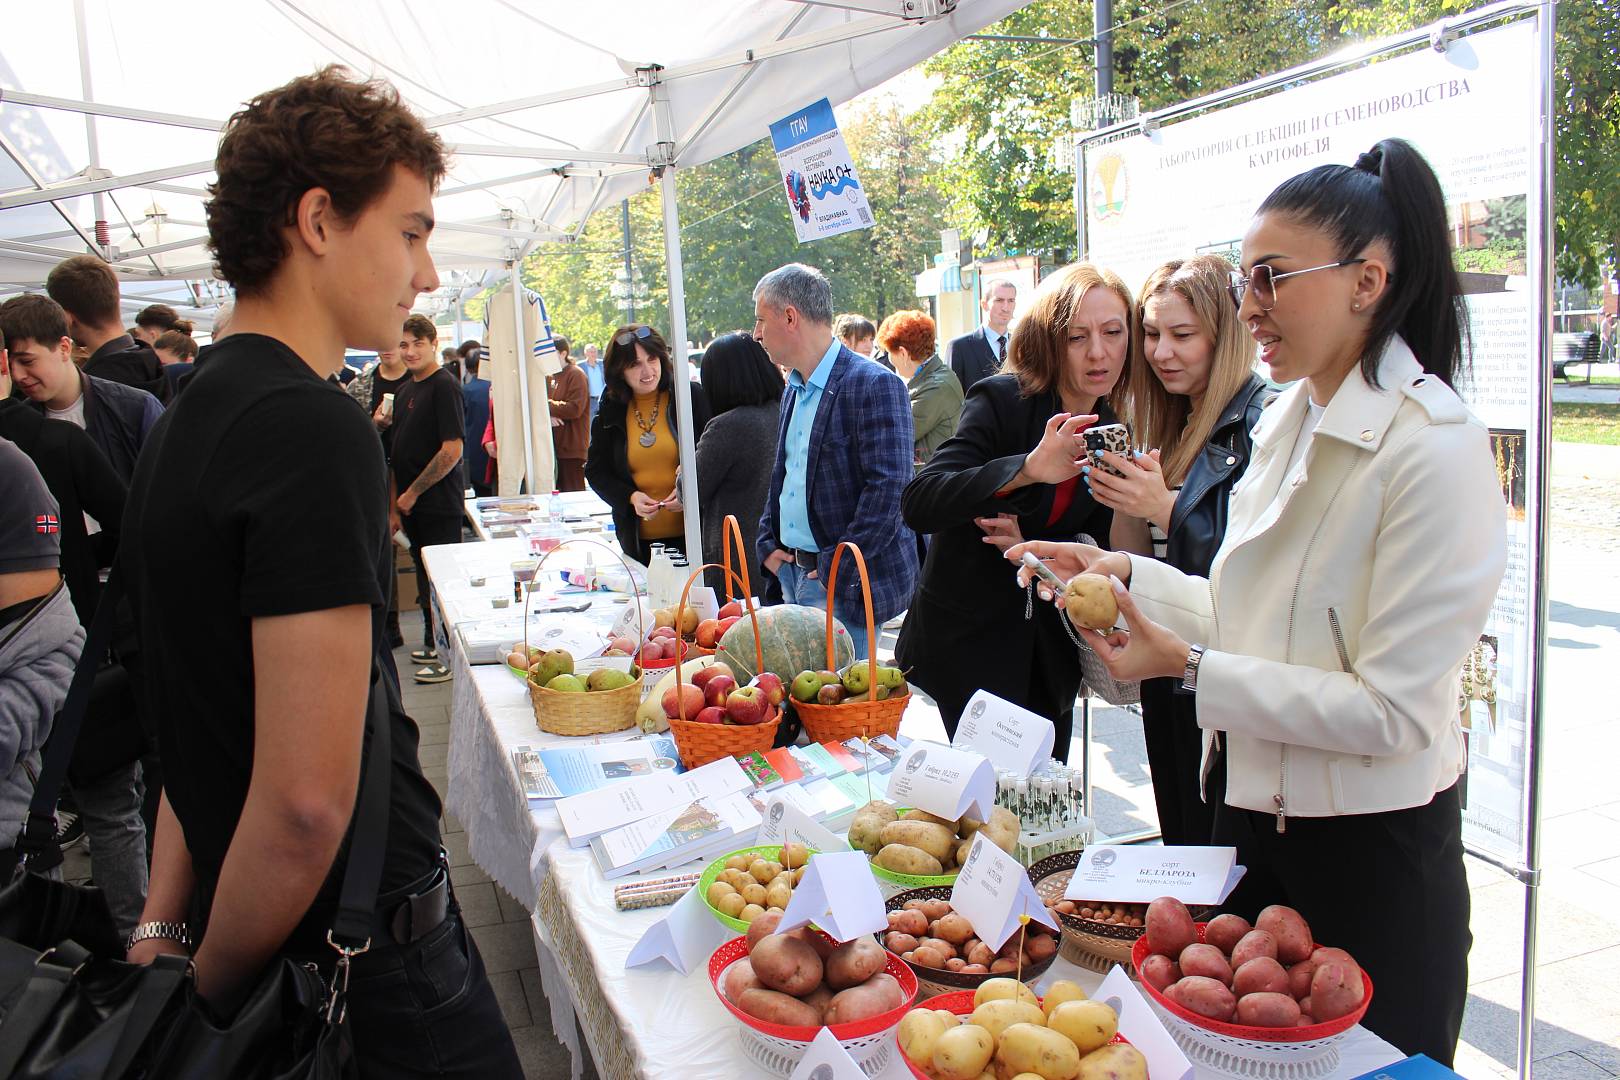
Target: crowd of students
1297	592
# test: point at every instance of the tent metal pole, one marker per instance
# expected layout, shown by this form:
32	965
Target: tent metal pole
521	346
90	187
39	182
1546	24
91	140
683	390
117	112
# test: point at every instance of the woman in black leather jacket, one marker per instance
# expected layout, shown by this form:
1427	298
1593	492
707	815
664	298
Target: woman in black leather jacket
1195	399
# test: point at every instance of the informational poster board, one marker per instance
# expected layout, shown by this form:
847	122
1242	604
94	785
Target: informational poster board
823	195
1192	185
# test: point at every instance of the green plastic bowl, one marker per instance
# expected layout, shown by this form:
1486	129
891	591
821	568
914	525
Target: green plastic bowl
711	873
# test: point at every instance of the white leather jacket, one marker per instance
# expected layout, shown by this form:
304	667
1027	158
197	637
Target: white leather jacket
1340	607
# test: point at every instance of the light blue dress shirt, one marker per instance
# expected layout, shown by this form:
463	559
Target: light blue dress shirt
991	338
793	507
595	377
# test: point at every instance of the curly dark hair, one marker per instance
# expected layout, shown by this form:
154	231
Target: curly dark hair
326	130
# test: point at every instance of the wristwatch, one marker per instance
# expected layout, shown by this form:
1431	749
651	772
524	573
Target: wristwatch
169	931
1189	674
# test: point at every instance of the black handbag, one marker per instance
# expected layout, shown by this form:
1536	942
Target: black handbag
71	1006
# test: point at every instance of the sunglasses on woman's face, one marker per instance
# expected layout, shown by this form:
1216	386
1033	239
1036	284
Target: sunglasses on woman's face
1263	280
640	333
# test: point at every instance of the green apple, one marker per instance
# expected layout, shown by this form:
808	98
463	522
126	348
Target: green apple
806	685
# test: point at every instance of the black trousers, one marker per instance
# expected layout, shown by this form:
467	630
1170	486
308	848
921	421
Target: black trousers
1175	748
1389	888
428	530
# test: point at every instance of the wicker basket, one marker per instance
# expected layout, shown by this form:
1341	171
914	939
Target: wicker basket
854	718
931	981
700	744
598	712
1088	943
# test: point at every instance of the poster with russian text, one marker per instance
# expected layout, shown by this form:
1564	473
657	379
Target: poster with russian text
1192	186
824	196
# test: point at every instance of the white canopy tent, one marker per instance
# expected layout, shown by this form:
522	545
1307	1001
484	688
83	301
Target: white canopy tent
110	111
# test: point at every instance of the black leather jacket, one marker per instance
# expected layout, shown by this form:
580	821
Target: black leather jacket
1198	522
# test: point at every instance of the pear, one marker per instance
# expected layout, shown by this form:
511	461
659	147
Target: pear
890	678
607	679
551	664
568	684
858	678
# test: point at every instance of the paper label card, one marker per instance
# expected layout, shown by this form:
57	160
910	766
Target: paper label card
1011	737
684	938
1142	1027
838	894
1139	874
945	781
787	823
993	890
826	1059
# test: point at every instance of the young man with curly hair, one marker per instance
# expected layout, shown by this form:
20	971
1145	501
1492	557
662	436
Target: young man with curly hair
257	553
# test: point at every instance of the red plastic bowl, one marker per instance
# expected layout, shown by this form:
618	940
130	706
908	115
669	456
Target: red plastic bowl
959	1002
1326	1028
737	949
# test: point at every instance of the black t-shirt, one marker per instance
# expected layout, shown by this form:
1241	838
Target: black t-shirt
383	386
426	413
260	493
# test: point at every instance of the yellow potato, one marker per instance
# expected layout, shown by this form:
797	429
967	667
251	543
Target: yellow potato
738	862
923	815
1002	1013
1087	1024
962	1053
1090	601
794	856
996	989
754	894
1059	992
1116	1061
1032	1048
719	891
749	913
779	892
731	904
907	860
918	1033
948	1018
938	840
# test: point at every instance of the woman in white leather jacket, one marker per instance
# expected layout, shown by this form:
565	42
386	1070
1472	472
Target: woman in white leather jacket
1363	551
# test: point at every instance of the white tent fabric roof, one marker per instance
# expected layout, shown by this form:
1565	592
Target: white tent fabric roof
551	108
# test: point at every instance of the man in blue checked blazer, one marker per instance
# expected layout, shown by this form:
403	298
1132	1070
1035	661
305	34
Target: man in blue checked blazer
843	456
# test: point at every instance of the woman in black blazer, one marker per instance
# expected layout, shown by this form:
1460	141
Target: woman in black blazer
640	378
1011	472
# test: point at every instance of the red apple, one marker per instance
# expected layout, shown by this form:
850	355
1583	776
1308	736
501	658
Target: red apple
718	689
700	679
771	684
651	653
747	705
708	633
732	610
623	644
664	632
685	695
713	714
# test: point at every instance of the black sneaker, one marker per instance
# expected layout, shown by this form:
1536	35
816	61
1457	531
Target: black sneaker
69	828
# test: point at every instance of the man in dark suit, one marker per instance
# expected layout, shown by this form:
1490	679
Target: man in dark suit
843	456
980	354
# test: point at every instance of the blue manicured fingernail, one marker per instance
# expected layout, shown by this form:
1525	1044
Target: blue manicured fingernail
1085	470
1097	454
1137	454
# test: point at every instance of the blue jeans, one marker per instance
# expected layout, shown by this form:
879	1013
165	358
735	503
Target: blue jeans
797	588
110	806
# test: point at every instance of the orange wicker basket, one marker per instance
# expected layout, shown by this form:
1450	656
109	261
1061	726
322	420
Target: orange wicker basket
596	712
866	717
700	744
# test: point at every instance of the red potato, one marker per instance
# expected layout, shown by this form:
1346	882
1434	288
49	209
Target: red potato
1160	972
876	995
762	925
952	928
1262	975
1003	964
818	999
824	946
1254	943
943	947
1305	1020
1305	1006
1009	949
981	954
778	1008
1040	947
976	969
955	963
740	977
913	905
1336	989
909	921
853	962
1289	928
1205	960
1225	931
1324	954
1204	996
1170	926
1299	978
897	943
1267	1010
927	956
788	964
936	909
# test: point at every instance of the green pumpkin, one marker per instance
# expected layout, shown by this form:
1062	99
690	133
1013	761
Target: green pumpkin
793	639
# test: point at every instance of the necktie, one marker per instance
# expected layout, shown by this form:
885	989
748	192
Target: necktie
1001	348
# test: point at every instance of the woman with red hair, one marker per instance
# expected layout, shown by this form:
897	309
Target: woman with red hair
936	393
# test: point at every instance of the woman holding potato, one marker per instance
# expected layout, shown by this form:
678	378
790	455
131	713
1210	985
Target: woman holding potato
1195	397
1363	553
1012	471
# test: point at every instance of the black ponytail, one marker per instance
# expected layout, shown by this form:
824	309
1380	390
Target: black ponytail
1391	194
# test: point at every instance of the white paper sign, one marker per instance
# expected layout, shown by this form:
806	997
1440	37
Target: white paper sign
684	938
1142	1027
824	195
838	894
993	890
787	823
1011	737
1138	874
826	1059
944	781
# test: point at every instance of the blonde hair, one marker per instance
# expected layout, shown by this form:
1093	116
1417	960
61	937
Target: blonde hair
1038	351
1168	421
